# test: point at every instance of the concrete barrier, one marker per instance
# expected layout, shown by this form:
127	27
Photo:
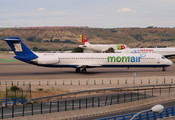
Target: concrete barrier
103	110
97	111
89	111
168	118
148	101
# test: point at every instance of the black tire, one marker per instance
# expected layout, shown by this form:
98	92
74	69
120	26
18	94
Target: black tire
84	70
77	70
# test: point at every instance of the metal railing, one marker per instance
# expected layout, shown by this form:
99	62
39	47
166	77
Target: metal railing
117	97
74	94
167	112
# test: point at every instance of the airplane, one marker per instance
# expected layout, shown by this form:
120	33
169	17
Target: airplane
100	47
81	61
167	52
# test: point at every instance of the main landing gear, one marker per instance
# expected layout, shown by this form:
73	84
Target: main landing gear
78	70
164	69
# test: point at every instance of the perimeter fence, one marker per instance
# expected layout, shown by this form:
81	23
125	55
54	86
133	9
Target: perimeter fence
131	81
118	96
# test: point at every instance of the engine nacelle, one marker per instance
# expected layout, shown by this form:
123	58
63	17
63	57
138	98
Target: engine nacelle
46	60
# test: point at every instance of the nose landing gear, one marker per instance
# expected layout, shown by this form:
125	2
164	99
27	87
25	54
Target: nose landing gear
78	70
164	69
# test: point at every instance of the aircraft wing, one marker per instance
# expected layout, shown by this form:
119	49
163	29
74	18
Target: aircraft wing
170	55
82	46
89	65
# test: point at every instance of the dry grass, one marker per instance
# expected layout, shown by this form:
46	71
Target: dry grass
36	93
172	59
2	94
48	92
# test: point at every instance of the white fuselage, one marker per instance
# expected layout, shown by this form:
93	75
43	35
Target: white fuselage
100	60
120	48
102	48
162	51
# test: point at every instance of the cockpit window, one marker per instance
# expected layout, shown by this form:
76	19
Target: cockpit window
163	57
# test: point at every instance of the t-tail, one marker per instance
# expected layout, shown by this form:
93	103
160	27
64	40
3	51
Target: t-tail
22	52
83	40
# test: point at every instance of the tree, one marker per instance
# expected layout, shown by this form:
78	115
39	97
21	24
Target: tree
78	50
31	39
35	49
14	88
56	40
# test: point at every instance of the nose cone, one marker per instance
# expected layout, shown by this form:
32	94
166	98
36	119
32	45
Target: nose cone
169	62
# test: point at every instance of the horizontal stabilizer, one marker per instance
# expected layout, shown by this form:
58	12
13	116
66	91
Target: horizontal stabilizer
12	39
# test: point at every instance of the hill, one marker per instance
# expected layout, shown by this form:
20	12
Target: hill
61	38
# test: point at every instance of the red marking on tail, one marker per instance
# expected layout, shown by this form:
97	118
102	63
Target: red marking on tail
84	40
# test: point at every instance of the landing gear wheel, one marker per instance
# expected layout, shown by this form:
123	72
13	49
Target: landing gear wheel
84	70
77	70
164	69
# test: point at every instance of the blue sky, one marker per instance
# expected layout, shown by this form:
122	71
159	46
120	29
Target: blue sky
92	13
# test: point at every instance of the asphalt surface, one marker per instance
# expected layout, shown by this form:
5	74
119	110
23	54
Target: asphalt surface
20	71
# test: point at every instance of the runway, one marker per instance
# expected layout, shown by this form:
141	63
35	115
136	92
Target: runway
20	71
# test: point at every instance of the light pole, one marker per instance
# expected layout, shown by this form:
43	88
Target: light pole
157	109
30	90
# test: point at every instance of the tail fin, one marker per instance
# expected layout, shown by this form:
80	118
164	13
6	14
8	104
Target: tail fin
83	40
22	52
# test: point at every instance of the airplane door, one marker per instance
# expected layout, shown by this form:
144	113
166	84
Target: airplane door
58	59
158	60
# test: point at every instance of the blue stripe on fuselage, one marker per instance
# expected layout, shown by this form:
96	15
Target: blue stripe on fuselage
74	66
135	65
